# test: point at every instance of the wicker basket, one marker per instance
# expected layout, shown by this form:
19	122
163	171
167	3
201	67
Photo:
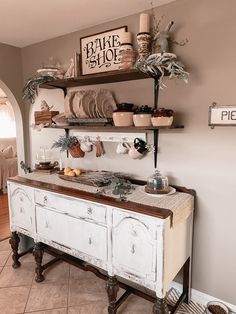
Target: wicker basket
76	151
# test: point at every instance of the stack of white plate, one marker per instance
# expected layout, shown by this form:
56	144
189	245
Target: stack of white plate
92	104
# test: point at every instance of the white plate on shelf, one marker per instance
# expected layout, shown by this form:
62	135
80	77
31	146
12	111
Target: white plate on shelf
172	191
105	103
88	102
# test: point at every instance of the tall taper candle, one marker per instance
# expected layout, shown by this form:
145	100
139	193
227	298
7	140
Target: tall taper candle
144	23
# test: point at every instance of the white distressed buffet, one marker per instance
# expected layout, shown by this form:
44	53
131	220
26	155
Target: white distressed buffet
144	244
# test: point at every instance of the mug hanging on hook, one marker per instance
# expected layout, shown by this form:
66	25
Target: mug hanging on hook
86	145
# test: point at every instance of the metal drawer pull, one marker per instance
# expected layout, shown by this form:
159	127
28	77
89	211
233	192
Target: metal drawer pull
90	211
133	249
21	210
21	199
90	241
45	199
46	225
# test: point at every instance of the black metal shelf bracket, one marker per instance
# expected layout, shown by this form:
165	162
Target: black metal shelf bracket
155	139
67	131
156	132
156	91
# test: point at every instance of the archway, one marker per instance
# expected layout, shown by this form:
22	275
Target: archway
19	123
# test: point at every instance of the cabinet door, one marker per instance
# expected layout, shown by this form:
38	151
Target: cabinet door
21	208
73	233
134	250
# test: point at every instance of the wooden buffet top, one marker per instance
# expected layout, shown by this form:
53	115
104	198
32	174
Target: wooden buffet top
50	183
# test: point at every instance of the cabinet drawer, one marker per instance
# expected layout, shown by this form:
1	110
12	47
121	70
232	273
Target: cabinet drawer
21	207
72	206
73	233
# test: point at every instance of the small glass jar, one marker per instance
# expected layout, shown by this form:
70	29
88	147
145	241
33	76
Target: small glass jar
157	184
43	156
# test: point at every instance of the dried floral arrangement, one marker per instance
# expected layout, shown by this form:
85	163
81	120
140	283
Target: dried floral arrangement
117	183
160	61
121	187
160	64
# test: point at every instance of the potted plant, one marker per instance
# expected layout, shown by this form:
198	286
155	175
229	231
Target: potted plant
69	143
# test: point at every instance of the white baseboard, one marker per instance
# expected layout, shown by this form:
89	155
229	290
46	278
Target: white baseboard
200	297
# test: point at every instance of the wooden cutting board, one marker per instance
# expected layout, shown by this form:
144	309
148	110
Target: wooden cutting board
83	180
44	116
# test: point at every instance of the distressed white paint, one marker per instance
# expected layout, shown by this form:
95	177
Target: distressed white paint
143	249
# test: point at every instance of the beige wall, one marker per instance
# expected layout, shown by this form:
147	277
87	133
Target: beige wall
196	157
11	69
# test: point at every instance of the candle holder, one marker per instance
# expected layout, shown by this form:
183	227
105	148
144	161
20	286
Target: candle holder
144	41
127	56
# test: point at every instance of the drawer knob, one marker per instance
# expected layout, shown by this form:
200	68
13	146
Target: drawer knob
90	211
21	198
46	225
21	210
90	241
45	199
133	249
134	233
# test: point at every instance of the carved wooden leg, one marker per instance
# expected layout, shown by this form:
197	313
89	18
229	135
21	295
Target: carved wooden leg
160	307
14	242
38	255
112	288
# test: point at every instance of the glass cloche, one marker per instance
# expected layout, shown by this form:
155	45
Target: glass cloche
157	184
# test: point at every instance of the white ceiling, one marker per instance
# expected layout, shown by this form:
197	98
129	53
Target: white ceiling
25	22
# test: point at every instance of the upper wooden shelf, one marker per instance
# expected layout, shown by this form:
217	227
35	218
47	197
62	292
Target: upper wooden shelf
93	79
110	128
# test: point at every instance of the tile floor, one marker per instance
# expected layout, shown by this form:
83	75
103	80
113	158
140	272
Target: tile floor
4	217
66	290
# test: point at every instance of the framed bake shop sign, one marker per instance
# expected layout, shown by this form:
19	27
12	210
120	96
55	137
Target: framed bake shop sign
222	115
100	52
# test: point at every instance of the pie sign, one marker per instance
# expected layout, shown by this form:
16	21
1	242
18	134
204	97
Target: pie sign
100	52
222	115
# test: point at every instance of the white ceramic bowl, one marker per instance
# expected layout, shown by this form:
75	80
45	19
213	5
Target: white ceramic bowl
123	118
142	119
224	307
162	121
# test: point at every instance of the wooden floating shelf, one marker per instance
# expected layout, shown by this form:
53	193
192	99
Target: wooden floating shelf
93	79
110	128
